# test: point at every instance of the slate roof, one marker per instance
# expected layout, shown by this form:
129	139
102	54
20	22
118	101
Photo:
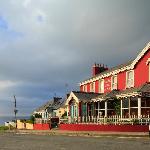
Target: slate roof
110	95
59	104
145	88
111	69
85	96
45	106
54	104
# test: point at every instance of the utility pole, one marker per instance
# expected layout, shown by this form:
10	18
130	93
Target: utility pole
15	110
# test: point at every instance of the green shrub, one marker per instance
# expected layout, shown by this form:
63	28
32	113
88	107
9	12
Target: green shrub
135	121
38	116
2	128
30	121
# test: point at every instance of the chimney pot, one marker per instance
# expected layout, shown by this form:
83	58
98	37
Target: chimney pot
98	68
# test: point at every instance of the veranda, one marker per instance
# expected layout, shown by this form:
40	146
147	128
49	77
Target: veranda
124	110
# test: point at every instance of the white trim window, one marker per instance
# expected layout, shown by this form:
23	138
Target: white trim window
92	87
129	79
101	86
114	82
83	88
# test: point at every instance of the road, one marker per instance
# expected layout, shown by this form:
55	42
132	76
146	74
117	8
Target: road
44	142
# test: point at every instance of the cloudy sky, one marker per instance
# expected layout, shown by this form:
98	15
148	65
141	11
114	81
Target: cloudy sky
48	46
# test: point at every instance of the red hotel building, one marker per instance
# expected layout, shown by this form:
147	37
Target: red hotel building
122	90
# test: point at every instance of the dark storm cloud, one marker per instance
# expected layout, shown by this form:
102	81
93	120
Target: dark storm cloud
54	44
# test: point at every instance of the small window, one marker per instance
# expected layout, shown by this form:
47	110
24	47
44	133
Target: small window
83	88
114	82
129	79
101	86
92	87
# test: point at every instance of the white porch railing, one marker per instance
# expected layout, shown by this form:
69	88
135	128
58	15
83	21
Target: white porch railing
41	120
115	120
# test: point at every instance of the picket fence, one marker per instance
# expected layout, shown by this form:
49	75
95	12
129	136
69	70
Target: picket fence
143	120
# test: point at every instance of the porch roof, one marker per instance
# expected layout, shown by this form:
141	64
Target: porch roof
107	96
85	96
131	92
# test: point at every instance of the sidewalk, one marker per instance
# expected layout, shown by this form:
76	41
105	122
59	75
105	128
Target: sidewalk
82	133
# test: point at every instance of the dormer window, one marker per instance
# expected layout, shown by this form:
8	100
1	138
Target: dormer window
114	82
129	78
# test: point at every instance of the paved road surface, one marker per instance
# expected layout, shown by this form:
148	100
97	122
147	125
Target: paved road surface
42	142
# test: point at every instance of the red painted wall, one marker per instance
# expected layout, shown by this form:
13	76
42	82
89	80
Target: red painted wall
94	127
141	71
121	80
107	84
42	126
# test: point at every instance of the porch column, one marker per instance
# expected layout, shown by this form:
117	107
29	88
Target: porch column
67	110
93	109
121	108
105	108
139	107
98	103
86	109
129	108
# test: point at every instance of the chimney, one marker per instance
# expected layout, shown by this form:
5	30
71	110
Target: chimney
98	68
57	99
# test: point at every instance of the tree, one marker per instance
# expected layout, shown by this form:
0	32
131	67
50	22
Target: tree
37	116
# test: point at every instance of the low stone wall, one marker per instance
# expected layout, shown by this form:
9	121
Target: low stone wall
23	125
44	126
29	126
97	127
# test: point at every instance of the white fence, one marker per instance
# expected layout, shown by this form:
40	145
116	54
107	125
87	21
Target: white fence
41	120
143	120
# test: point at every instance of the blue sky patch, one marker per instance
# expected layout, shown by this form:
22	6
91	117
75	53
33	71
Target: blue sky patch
3	23
40	18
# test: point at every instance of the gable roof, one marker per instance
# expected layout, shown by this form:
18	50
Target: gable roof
120	68
85	96
45	106
79	96
55	103
140	55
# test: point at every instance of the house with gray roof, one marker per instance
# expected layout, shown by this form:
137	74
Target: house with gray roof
47	110
122	90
